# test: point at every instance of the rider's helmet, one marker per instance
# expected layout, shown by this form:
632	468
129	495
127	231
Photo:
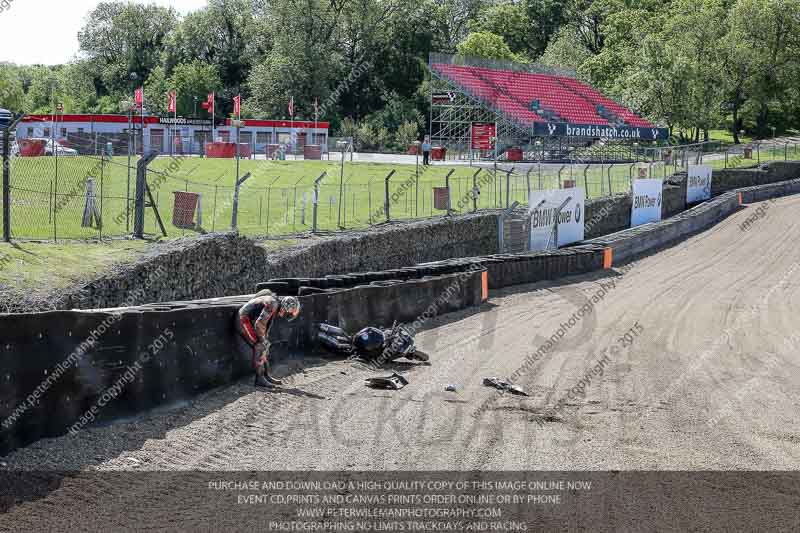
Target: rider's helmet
290	307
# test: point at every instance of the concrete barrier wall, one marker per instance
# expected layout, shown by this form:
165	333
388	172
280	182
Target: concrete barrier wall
730	179
141	357
632	242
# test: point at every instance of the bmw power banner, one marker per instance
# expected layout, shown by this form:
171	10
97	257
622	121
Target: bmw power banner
556	214
646	202
698	186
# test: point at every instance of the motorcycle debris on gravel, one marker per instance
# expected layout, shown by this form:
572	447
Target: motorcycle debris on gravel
371	344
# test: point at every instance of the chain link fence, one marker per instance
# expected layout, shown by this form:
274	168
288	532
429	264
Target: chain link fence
88	196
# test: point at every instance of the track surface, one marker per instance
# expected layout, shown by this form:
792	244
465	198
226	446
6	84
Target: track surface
708	379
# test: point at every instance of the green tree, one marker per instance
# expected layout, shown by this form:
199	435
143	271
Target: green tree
124	38
155	92
566	50
218	35
486	45
762	56
510	21
193	81
46	89
407	133
12	95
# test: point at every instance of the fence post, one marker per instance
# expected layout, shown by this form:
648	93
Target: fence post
508	186
235	213
586	179
214	209
610	188
447	186
475	191
141	185
528	180
294	204
102	179
6	186
386	202
540	174
269	196
315	201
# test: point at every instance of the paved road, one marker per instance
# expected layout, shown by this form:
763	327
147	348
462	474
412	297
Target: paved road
706	378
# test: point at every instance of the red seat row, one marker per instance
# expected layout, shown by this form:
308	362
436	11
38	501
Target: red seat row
515	92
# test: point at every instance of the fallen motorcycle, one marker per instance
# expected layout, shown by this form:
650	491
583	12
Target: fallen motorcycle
372	344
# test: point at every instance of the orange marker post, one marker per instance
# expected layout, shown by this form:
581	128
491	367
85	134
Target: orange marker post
608	258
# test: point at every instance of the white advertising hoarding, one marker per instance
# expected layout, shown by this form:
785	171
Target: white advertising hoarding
698	184
646	202
544	211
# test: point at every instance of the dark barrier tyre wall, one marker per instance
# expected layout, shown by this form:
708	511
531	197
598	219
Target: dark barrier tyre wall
151	355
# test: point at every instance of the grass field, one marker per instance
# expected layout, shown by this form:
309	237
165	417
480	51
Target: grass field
49	196
46	266
276	200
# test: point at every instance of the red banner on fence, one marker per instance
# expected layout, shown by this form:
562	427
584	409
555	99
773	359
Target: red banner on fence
483	135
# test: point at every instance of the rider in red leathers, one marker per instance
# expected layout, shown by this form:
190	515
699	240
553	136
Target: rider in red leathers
254	322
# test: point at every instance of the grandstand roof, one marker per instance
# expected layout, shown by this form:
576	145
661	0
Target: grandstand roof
549	100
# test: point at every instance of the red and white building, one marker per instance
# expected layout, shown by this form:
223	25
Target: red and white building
88	133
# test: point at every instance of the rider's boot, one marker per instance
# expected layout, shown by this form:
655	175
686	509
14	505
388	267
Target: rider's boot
261	381
269	377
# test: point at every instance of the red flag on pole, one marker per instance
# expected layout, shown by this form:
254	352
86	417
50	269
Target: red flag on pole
172	107
237	106
138	96
291	106
211	103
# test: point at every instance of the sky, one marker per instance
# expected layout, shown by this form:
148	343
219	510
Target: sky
46	31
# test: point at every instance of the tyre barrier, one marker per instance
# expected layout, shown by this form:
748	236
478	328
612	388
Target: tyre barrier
503	270
63	368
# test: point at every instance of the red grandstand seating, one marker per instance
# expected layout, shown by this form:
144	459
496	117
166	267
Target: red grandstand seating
513	92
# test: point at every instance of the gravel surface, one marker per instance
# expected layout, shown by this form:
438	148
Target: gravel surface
706	378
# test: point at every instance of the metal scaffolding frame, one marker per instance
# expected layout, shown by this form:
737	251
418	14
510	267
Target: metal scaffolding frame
454	109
